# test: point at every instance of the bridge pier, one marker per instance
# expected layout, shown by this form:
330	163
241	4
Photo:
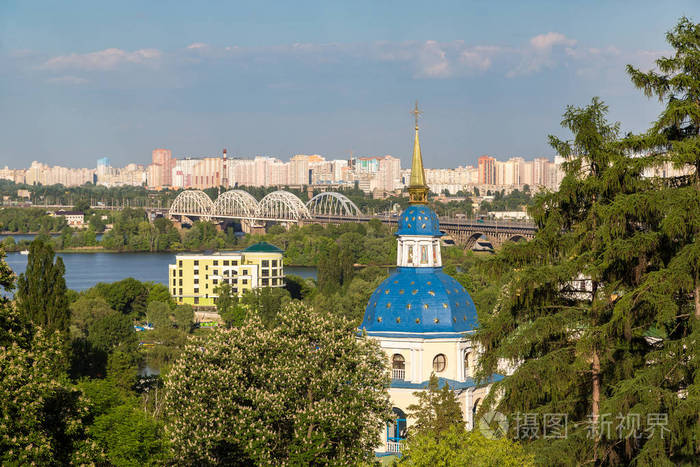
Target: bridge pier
467	237
246	226
257	229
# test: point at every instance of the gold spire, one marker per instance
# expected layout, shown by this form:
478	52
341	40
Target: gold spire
417	188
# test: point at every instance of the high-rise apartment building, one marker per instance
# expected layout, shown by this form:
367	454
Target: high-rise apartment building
389	173
14	175
104	170
160	170
487	170
300	167
540	172
42	174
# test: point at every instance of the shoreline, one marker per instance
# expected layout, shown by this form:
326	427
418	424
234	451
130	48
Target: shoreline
6	233
92	250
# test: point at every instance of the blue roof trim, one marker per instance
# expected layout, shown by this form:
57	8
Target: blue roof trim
411	335
454	384
387	454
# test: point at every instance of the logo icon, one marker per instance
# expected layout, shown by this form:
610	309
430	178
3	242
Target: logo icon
493	425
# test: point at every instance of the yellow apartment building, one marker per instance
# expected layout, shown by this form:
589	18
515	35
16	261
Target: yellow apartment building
193	277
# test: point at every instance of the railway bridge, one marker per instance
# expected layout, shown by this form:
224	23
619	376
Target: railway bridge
327	208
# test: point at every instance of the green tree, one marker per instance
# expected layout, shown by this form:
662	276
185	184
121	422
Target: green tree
84	312
266	302
93	335
437	409
159	315
330	270
297	286
336	265
129	436
41	290
127	296
554	315
8	244
83	205
457	448
41	413
111	331
126	434
158	292
307	392
183	316
228	306
662	311
122	366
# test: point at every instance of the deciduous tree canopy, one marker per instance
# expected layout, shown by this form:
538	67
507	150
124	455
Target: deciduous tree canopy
306	392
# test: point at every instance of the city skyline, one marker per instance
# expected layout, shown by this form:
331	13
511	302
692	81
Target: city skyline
316	78
378	175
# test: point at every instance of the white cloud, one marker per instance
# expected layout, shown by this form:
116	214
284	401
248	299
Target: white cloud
432	61
549	40
539	54
428	59
108	59
480	57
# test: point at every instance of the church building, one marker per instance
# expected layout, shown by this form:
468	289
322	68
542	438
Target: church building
421	316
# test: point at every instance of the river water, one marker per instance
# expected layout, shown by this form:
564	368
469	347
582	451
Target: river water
84	270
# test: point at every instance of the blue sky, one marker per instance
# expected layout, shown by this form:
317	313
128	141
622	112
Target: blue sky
81	80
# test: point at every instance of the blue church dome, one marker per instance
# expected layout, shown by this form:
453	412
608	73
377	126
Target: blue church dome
419	302
419	220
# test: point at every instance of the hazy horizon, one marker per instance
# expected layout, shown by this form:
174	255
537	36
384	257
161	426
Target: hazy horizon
81	81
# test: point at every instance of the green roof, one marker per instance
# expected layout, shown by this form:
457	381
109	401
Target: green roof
262	247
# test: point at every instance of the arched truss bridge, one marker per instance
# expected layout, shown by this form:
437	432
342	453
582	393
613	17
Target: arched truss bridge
235	203
332	204
279	206
282	205
192	203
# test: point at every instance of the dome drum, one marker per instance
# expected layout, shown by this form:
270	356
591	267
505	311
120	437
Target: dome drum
419	220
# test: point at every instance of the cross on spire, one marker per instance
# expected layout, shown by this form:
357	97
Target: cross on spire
416	113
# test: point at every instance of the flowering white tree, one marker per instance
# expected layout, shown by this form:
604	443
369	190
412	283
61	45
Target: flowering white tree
307	392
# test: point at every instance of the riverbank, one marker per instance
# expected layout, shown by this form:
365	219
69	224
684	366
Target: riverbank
7	233
101	249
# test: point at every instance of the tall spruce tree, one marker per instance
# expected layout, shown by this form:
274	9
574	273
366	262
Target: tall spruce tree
633	327
41	290
553	317
664	307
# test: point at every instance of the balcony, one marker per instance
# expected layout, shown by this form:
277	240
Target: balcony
398	373
393	446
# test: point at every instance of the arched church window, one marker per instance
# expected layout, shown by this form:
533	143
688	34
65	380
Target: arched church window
398	367
466	364
439	363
